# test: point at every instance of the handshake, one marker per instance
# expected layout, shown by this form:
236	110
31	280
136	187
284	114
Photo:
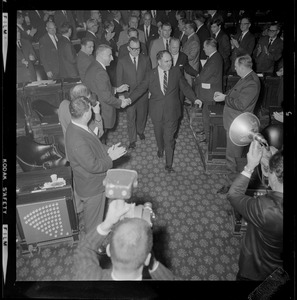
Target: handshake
125	101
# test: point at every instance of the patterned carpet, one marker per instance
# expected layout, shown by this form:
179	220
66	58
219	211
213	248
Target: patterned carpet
192	230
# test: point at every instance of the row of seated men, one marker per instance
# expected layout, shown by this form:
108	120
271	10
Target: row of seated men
54	30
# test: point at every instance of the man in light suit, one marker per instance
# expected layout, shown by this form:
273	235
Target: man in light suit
241	98
48	51
191	47
123	37
85	57
243	42
132	70
160	43
97	80
164	83
150	30
209	80
67	53
89	160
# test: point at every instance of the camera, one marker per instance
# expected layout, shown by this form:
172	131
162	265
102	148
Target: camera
119	184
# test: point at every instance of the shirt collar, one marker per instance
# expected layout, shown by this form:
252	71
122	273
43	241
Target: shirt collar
212	54
117	279
247	74
132	57
66	37
190	35
102	65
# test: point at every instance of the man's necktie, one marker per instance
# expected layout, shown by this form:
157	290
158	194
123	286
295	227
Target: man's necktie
240	38
134	58
167	45
269	44
165	82
146	33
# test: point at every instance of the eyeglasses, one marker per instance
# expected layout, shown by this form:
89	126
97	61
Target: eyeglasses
134	49
272	30
244	23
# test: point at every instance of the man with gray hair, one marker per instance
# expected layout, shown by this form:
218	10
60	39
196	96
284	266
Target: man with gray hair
98	81
241	98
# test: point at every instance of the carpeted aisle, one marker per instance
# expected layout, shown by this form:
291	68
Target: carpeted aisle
192	229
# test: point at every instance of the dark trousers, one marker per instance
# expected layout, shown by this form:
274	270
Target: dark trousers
93	211
164	134
137	117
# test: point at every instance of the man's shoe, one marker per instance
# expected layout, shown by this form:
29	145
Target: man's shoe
224	189
142	136
160	153
132	145
169	169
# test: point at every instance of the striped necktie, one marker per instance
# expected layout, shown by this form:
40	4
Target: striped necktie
165	82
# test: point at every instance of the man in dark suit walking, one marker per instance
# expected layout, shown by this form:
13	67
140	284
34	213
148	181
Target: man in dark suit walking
241	98
209	80
97	80
164	83
132	70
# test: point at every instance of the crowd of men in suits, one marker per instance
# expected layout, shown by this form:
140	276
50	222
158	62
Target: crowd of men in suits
149	62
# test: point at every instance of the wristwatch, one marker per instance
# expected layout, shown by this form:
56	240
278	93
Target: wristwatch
250	171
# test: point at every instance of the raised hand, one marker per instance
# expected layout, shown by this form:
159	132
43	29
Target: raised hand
116	151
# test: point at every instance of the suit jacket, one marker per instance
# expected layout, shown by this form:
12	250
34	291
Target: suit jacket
224	47
182	63
123	51
156	46
25	74
97	80
241	98
261	251
153	34
210	78
83	62
88	159
118	28
168	105
60	18
246	45
123	37
266	63
94	38
88	266
192	49
37	22
203	34
126	72
49	55
67	58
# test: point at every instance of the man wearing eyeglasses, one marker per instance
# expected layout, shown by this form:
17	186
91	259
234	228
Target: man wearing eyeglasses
242	42
131	70
268	50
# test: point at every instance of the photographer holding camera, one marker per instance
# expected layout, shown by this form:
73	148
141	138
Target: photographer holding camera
262	246
130	248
